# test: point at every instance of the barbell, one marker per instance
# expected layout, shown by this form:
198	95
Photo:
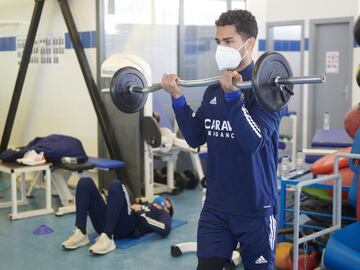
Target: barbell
272	84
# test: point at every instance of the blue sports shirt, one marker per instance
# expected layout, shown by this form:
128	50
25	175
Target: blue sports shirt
242	140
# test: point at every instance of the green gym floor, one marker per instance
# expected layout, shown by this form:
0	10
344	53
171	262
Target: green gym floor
21	249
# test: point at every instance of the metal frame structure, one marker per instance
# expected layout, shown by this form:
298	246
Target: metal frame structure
34	24
287	185
336	215
103	119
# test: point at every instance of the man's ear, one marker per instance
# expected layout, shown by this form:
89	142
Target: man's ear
252	43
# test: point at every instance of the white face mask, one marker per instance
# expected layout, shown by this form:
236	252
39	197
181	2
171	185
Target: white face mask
227	57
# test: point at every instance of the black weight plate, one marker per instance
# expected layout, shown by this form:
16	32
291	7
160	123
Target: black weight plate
356	31
123	99
151	131
322	240
180	180
158	177
323	207
192	179
164	170
269	66
176	191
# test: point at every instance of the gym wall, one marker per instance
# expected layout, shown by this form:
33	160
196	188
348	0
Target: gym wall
147	30
198	59
287	38
259	9
311	10
54	98
201	63
320	9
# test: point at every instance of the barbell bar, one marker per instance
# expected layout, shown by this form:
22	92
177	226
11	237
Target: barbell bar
272	83
241	85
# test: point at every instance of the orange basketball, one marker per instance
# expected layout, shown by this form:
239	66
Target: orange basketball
352	120
282	256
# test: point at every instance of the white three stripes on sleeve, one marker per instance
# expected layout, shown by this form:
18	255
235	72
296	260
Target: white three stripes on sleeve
127	199
154	222
251	122
272	235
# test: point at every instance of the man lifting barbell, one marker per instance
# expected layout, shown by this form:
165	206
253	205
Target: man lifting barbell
241	200
271	81
239	120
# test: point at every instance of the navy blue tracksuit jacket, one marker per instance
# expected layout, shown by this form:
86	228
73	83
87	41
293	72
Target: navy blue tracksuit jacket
242	140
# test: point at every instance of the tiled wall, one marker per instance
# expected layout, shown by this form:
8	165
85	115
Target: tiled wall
288	45
88	40
8	44
284	45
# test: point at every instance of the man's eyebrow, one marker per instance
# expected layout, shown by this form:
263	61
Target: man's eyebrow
225	39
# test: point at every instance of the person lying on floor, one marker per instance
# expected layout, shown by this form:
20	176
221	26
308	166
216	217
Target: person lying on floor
117	218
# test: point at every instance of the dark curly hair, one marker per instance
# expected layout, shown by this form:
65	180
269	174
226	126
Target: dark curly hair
244	22
171	208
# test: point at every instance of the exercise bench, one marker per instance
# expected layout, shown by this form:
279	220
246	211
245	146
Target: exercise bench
14	170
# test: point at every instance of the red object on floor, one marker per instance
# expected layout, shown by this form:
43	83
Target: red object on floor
347	176
325	165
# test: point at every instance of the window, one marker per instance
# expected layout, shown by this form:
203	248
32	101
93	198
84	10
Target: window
203	12
238	4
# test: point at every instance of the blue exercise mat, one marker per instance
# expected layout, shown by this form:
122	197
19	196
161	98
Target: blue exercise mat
104	163
129	242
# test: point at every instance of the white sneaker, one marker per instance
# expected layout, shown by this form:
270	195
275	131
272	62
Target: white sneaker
77	239
103	245
32	158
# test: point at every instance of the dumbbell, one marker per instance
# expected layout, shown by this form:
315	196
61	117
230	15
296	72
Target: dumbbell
157	176
192	179
186	179
160	176
180	180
